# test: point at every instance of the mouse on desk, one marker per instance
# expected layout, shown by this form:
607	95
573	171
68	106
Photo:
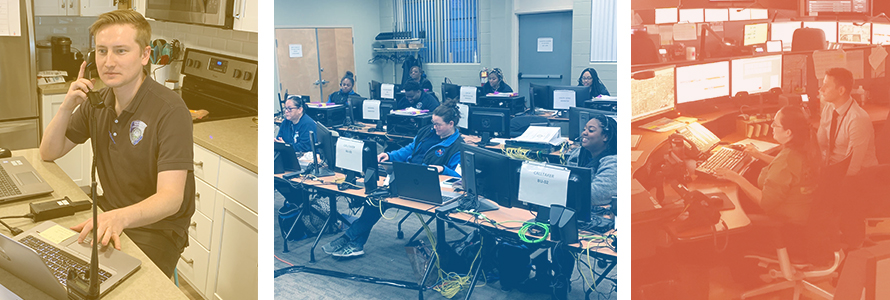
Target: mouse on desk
4	153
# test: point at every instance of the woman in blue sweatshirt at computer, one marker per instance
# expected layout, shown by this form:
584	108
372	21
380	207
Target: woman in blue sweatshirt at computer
347	83
437	145
296	126
496	83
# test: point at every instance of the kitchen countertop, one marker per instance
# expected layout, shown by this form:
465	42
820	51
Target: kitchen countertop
62	88
233	139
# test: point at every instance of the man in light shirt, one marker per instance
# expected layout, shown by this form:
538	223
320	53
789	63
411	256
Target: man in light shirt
845	129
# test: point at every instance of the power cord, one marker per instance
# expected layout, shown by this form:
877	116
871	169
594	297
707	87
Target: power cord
15	230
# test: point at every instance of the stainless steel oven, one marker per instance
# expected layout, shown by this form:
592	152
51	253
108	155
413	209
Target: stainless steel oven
225	86
205	12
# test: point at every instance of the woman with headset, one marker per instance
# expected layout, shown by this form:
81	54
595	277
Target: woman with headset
496	83
590	79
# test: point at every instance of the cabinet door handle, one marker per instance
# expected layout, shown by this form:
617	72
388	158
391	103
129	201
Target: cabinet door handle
197	195
186	260
194	224
199	163
239	9
71	5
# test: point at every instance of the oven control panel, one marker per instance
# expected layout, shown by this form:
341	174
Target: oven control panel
230	70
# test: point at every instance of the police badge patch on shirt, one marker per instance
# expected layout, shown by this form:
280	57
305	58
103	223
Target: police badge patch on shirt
419	105
137	129
440	152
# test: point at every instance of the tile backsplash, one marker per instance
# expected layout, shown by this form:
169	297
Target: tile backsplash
75	28
225	41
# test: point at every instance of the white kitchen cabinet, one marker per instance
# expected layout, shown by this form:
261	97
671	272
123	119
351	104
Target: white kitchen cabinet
221	259
138	6
56	8
92	8
77	162
246	15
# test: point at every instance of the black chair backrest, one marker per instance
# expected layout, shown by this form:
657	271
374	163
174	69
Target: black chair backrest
808	39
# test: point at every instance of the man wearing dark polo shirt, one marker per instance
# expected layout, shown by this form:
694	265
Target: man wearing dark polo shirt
143	142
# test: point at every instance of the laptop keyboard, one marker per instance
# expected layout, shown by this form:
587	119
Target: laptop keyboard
59	261
7	186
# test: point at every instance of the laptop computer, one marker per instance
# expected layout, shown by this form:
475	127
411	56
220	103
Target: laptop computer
18	180
42	255
420	183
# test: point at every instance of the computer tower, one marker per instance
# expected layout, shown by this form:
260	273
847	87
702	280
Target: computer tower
327	116
407	125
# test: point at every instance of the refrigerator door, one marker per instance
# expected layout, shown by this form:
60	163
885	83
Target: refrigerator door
18	76
16	135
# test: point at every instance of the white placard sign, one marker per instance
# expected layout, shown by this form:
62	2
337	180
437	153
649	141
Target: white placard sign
542	184
563	99
387	91
296	50
10	18
464	116
468	94
545	44
349	154
371	109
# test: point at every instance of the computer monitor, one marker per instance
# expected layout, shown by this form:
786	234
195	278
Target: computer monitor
756	33
716	14
496	175
326	143
850	33
829	28
783	31
650	96
837	7
880	34
384	107
376	87
577	195
561	95
666	15
756	74
692	15
285	159
354	109
540	96
703	81
578	118
354	157
450	91
488	121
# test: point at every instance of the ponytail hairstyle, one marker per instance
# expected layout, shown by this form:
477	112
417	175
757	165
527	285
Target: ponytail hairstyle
448	111
297	100
349	75
803	138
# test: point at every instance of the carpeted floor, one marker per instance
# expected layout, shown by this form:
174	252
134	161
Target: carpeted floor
385	257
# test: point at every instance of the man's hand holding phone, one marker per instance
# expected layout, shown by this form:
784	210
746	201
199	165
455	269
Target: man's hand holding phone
77	92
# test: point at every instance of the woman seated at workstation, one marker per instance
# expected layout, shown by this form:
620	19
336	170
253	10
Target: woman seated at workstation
296	126
598	151
496	83
784	189
416	98
418	76
590	79
347	83
436	145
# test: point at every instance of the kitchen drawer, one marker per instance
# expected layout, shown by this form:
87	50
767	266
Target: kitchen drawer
200	228
206	165
205	197
239	183
193	264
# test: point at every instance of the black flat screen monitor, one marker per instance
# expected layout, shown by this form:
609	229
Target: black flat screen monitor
354	107
582	93
496	175
578	118
489	121
539	96
285	158
376	86
327	144
366	154
450	91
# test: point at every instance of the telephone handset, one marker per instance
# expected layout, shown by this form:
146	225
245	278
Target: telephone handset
95	100
703	139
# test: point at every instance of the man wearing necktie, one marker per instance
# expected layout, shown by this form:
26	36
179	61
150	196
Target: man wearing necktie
845	130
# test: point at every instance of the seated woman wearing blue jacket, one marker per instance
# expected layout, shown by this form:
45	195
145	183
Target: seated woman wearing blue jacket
347	83
437	146
296	126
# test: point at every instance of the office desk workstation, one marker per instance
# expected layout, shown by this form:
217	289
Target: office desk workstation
147	282
418	197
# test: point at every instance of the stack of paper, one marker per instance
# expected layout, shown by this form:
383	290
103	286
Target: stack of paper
540	134
410	112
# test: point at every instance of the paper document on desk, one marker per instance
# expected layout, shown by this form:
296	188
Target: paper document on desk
635	140
464	111
543	184
760	145
468	94
320	105
371	109
541	134
387	91
663	125
349	154
563	99
410	112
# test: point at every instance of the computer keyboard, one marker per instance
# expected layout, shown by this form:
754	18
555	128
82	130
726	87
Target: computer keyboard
725	158
7	186
59	261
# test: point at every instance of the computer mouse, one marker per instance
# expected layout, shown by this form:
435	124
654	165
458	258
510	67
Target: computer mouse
4	153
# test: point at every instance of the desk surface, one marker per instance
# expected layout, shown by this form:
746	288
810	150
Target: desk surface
147	283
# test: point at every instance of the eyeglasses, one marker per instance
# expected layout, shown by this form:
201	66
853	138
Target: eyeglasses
586	78
438	124
289	108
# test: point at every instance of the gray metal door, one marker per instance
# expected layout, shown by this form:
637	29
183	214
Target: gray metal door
537	64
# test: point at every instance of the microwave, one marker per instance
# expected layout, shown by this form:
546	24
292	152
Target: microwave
217	13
